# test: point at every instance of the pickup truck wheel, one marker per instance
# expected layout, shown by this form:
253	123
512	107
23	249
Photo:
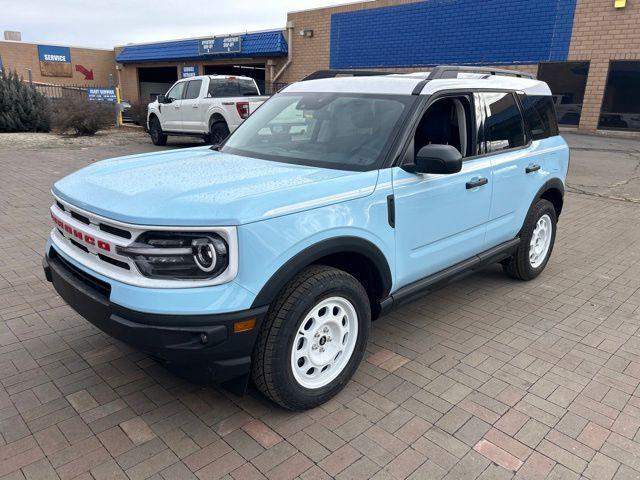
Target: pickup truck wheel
158	137
313	338
218	132
537	238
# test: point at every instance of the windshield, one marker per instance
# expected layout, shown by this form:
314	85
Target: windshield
342	131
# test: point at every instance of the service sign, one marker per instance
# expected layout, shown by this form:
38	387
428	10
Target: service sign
50	53
55	61
189	71
218	45
101	95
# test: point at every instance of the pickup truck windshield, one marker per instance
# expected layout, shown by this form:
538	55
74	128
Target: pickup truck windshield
332	130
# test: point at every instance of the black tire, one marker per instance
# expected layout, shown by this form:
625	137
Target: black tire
218	132
158	137
272	371
519	265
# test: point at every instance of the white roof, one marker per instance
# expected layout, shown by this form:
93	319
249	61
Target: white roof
404	84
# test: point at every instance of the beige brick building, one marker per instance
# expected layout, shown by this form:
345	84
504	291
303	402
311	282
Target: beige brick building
23	56
600	34
587	50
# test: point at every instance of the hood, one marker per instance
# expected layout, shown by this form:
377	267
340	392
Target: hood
202	187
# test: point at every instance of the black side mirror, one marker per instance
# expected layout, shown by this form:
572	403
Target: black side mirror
441	159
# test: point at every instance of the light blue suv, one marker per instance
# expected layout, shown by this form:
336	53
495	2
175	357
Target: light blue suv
268	256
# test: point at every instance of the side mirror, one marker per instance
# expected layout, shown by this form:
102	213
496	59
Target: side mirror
442	159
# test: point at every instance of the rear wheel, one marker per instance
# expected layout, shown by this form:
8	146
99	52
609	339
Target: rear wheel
313	339
218	132
537	238
158	137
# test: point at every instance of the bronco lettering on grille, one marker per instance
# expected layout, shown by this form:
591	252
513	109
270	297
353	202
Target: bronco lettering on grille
80	235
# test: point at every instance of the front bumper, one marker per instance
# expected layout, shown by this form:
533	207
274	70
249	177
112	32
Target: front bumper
180	340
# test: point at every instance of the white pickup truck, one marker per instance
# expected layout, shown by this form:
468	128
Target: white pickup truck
210	106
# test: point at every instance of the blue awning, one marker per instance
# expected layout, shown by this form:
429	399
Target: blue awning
260	44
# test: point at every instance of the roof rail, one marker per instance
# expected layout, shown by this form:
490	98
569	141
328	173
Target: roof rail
343	73
451	71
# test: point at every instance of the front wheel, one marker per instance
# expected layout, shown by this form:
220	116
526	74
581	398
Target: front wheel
537	238
313	339
158	137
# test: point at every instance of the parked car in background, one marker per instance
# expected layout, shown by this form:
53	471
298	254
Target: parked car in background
268	256
210	106
125	108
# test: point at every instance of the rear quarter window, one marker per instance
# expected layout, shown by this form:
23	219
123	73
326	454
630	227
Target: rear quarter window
540	116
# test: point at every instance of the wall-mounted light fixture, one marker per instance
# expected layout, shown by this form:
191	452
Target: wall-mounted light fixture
306	33
620	3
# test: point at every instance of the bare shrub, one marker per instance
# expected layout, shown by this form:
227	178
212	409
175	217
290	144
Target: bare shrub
81	117
138	114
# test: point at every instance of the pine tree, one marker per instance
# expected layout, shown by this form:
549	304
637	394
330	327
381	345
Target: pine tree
22	108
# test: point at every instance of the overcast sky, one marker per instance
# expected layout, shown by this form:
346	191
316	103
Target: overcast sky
106	23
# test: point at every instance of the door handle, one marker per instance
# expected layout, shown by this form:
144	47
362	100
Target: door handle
534	167
194	106
476	182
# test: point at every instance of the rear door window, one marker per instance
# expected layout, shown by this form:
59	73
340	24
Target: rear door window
539	115
193	89
503	124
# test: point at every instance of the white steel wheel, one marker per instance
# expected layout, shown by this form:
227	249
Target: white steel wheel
540	241
324	342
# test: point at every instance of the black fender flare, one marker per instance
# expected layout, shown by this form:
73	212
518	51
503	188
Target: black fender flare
551	184
315	252
554	183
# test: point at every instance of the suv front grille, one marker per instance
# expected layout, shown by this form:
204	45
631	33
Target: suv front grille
96	224
119	232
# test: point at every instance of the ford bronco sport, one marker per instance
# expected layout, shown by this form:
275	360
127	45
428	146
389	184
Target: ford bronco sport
340	198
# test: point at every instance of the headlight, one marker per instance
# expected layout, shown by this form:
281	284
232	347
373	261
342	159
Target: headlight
180	256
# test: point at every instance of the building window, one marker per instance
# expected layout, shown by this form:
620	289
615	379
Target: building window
621	103
567	81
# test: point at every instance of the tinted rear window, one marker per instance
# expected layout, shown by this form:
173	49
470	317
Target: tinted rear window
503	127
237	87
540	116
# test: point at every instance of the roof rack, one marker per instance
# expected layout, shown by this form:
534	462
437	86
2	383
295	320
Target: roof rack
451	71
343	73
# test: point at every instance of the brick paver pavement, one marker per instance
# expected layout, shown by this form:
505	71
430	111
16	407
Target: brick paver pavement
489	378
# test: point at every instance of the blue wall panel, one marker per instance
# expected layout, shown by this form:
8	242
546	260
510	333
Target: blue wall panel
453	31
